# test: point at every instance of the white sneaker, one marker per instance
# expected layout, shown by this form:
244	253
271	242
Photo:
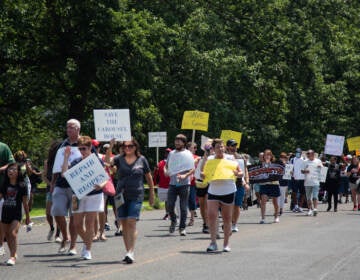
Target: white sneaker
182	232
58	239
227	249
277	220
2	251
234	228
315	212
87	255
310	213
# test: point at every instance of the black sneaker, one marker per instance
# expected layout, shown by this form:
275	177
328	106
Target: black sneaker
172	227
205	229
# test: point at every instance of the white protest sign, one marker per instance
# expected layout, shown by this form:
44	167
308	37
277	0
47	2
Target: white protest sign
334	145
180	161
204	140
111	124
85	175
241	163
323	173
288	171
197	173
157	139
59	158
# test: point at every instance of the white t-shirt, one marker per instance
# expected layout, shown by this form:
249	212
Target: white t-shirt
313	177
298	166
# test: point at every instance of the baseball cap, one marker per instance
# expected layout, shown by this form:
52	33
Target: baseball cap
231	142
349	157
95	143
106	146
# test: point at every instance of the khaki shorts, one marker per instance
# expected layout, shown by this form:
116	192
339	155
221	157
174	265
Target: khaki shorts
354	187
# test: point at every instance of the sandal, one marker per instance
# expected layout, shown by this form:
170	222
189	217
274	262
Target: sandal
96	238
103	237
191	223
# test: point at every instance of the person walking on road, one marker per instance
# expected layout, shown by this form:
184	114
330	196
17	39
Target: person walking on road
311	169
15	195
6	157
332	183
221	194
179	182
62	193
131	167
353	173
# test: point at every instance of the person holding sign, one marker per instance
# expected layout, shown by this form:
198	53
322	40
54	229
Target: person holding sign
132	167
269	188
179	167
241	183
311	169
85	210
60	189
221	173
332	182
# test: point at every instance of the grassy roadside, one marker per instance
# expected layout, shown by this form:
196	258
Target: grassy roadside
40	202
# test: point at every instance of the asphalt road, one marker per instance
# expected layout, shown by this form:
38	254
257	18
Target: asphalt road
299	247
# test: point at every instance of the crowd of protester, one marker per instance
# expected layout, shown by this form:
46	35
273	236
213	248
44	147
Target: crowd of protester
184	188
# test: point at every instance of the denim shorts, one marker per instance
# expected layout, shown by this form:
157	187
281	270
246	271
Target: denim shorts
239	196
312	192
129	210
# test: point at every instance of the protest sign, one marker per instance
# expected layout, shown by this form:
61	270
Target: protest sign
230	134
323	173
353	143
59	158
85	175
180	161
204	140
219	169
111	124
157	139
266	173
334	145
288	171
241	163
195	120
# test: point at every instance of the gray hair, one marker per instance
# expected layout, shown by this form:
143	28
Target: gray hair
74	122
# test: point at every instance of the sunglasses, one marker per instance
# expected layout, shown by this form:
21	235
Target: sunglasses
128	146
83	148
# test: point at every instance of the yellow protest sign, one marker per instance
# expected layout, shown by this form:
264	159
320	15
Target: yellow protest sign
357	152
196	120
219	169
353	143
230	134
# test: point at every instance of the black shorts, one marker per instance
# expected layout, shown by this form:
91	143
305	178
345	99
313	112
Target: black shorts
202	192
226	199
109	200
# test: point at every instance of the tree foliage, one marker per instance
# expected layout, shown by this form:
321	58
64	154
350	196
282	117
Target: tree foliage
284	73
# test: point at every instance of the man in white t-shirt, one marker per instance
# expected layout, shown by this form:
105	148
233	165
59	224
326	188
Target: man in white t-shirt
312	170
298	182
